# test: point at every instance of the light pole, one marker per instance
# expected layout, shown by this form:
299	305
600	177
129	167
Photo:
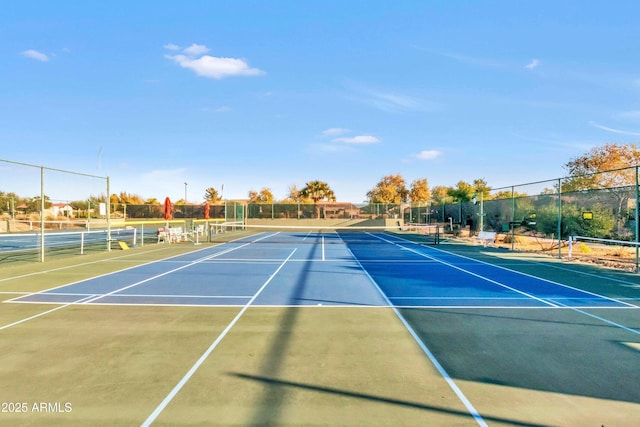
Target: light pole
475	200
185	193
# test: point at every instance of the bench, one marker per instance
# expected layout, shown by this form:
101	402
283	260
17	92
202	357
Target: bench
486	237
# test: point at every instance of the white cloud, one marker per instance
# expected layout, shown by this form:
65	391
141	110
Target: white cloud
465	59
428	154
221	109
34	54
329	148
360	139
533	64
608	129
391	102
171	46
335	131
211	66
196	50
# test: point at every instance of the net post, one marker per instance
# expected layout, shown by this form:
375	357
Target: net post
570	251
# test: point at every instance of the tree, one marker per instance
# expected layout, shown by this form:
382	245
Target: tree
264	196
481	186
390	189
294	195
34	204
419	191
439	194
507	194
608	169
211	195
463	192
316	191
587	170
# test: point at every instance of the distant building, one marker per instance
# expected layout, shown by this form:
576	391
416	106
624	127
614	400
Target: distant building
61	209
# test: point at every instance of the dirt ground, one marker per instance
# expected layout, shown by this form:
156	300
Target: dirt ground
610	256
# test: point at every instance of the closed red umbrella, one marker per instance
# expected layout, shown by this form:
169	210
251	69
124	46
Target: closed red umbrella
206	211
167	209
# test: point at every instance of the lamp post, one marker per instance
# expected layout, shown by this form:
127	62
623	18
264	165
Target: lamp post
475	201
185	193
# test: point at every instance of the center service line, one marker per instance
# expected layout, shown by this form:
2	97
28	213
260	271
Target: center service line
206	354
445	375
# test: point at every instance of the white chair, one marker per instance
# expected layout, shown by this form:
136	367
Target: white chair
162	236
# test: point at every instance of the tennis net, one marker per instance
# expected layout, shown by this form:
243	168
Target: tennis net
324	234
29	243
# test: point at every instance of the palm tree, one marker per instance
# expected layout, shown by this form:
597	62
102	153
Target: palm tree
316	191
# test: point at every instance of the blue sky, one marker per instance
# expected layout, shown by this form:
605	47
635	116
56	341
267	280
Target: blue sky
254	94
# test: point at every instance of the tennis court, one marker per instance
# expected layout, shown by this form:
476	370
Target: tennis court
319	327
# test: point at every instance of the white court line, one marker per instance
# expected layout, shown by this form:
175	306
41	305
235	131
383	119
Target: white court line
180	296
43	313
531	276
94	277
86	263
495	282
465	298
206	354
134	295
68	284
182	267
554	301
472	411
602	319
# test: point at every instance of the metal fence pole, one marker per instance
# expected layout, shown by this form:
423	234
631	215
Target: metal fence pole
559	217
636	217
513	218
42	213
108	216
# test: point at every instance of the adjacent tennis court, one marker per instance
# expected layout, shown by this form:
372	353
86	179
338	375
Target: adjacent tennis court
318	326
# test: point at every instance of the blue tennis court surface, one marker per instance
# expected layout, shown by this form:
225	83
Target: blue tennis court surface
305	269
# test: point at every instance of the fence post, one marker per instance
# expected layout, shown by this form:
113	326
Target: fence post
513	218
559	218
636	217
42	206
108	216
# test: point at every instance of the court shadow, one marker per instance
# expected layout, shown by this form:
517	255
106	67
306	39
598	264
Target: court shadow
564	350
278	385
267	412
549	350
